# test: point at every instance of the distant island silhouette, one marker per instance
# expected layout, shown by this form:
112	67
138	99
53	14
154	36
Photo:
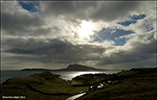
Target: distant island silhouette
71	67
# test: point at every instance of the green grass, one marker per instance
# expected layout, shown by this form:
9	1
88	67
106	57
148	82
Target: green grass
58	86
137	84
43	85
86	80
140	84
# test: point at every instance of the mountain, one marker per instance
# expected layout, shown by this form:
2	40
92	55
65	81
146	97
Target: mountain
77	67
71	67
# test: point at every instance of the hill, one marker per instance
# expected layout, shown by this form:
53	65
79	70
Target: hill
134	84
40	86
77	67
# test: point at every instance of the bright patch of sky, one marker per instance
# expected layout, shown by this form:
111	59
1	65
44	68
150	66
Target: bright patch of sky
30	6
133	19
111	34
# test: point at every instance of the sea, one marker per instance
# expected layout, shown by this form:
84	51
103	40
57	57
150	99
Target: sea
66	75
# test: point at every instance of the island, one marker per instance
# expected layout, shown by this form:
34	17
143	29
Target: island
77	67
71	67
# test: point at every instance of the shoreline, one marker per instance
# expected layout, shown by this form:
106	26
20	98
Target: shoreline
10	74
48	84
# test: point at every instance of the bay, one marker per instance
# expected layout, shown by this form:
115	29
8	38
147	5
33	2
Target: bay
66	75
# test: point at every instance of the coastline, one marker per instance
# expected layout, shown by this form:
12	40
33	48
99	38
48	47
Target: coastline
5	74
46	84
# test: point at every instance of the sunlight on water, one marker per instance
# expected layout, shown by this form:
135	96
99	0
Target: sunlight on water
71	74
66	75
81	73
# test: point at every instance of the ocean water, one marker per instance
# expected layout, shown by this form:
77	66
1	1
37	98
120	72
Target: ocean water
66	75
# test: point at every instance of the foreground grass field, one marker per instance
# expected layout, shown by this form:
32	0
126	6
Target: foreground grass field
40	86
135	84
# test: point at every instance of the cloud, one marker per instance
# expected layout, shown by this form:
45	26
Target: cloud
53	50
69	10
139	47
49	38
95	11
110	11
18	21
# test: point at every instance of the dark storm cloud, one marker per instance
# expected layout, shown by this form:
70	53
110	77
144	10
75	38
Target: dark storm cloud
55	50
20	23
150	62
96	11
145	48
124	57
17	21
70	9
109	11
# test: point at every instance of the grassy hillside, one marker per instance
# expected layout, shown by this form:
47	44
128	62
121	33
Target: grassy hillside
134	84
139	84
40	86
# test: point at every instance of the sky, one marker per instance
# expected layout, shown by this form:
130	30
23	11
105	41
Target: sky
101	34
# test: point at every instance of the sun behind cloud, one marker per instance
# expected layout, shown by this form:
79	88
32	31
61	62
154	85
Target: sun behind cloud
86	29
